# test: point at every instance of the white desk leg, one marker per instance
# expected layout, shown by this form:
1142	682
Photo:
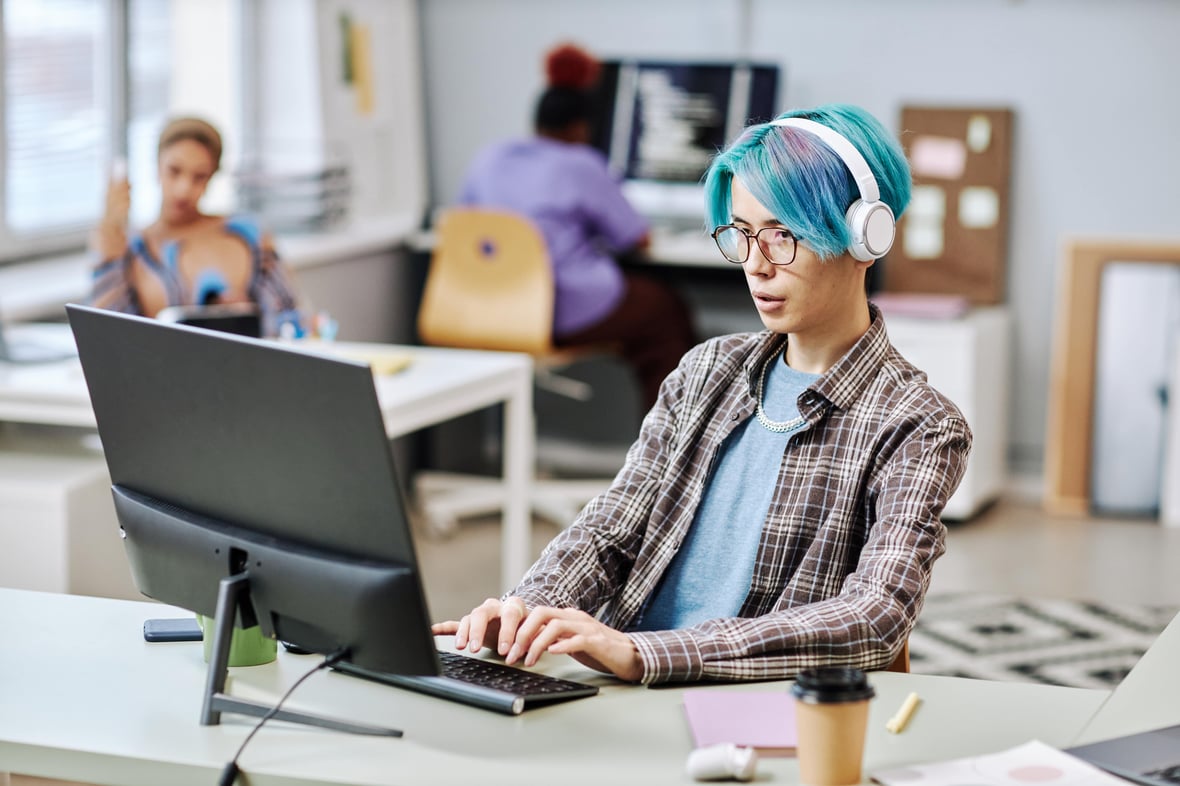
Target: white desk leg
520	439
1170	489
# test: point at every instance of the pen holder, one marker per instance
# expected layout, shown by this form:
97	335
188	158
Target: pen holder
247	646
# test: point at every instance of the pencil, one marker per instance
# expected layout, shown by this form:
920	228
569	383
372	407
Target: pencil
898	722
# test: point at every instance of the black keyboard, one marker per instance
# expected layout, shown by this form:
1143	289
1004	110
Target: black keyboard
484	683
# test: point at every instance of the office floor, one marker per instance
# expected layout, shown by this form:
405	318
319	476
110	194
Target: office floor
1011	548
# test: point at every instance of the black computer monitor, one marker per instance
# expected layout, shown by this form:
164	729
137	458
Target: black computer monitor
253	483
245	319
660	122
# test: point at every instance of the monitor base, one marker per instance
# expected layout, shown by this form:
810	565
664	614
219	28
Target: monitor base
229	595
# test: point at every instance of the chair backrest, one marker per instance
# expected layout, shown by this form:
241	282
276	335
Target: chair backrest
490	284
902	662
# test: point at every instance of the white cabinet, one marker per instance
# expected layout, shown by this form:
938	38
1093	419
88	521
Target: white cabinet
967	360
58	531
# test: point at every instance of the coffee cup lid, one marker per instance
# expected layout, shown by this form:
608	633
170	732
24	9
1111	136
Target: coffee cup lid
832	685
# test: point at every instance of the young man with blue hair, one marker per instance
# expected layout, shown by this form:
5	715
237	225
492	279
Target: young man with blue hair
781	507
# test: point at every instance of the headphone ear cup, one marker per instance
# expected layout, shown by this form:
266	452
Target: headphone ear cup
871	230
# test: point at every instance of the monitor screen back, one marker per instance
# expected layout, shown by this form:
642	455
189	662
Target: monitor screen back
286	443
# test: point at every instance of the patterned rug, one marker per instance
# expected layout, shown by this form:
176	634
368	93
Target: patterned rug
1056	642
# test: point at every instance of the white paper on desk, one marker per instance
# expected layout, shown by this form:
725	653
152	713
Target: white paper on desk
1031	764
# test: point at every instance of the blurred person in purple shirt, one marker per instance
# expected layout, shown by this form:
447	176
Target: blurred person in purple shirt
563	185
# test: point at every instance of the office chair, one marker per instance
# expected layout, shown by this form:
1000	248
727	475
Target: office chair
902	662
490	286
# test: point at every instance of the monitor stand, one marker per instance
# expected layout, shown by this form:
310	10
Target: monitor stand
229	597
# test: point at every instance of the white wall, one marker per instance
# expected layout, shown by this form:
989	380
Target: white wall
308	111
1091	83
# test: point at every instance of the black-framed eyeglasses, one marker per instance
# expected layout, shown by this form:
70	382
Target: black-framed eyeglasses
777	244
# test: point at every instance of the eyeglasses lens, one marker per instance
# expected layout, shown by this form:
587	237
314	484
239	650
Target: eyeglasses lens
778	245
734	244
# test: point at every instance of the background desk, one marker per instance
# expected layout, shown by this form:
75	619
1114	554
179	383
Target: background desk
84	697
439	384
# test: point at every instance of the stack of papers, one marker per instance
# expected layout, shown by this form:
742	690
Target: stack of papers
921	305
1031	763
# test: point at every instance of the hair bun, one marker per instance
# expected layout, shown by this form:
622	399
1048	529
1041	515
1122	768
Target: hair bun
568	65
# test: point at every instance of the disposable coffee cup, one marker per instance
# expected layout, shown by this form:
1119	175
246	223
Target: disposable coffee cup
247	646
831	715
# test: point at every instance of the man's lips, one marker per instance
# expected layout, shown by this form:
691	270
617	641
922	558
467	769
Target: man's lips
764	301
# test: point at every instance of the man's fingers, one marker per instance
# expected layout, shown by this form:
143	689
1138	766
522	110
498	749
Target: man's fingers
542	627
512	611
461	631
483	621
553	631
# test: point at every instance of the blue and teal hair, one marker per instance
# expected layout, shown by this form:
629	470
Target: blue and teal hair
802	181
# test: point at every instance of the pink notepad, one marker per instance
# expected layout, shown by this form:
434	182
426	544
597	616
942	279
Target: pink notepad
759	719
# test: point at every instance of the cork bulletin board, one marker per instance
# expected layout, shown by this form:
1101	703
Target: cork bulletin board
953	237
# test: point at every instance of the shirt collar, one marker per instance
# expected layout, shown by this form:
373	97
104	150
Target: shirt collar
843	383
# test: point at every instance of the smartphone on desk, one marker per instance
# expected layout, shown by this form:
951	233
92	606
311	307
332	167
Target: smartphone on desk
177	629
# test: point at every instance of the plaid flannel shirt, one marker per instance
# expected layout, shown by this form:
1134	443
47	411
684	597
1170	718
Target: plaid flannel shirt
847	546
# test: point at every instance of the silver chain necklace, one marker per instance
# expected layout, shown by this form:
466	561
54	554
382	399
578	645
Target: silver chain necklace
767	423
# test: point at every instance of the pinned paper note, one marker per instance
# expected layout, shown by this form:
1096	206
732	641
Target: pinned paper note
923	240
979	207
927	203
938	156
979	133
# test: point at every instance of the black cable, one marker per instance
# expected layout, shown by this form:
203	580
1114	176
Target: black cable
231	771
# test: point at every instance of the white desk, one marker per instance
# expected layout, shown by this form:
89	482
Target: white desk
439	384
84	697
684	248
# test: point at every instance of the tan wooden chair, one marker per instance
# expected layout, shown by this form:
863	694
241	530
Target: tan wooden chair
902	662
490	286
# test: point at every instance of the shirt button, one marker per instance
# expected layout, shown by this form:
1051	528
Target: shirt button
734	416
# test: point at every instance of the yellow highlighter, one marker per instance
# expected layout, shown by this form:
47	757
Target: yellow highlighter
897	723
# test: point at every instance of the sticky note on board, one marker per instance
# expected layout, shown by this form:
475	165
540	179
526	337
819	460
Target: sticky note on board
923	240
927	203
940	157
979	133
979	207
362	67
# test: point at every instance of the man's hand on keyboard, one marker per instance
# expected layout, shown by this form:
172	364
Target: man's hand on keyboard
525	635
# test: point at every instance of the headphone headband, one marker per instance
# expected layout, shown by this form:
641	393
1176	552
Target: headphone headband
870	221
865	182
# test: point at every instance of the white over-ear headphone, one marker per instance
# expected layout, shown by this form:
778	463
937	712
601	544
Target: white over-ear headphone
870	221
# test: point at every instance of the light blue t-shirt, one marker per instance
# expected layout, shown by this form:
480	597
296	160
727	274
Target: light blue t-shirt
710	575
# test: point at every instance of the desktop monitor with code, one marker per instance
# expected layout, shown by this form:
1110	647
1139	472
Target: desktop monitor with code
660	122
253	483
